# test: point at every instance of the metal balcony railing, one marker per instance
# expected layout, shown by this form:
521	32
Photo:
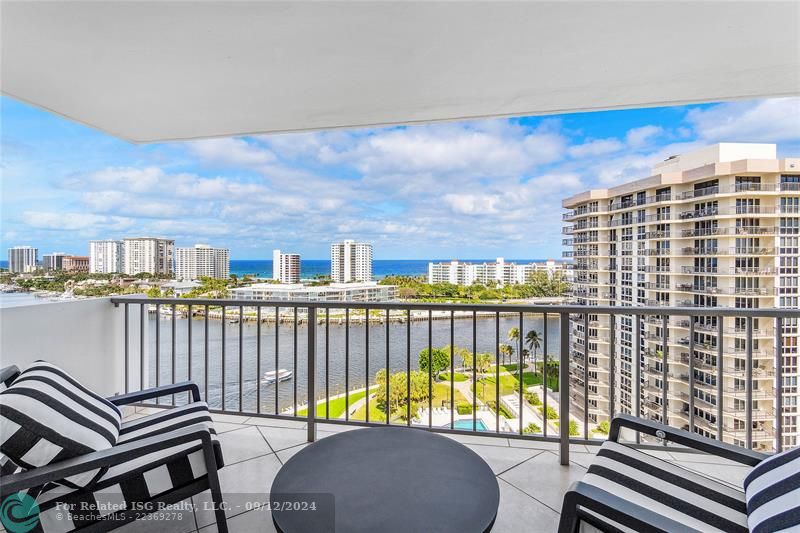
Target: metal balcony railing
338	354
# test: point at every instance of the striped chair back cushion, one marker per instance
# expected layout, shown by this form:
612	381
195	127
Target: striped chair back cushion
47	416
772	490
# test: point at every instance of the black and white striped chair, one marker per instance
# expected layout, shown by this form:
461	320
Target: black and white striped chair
68	448
626	489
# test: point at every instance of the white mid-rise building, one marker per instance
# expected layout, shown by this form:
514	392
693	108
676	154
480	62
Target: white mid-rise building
498	273
105	257
285	267
335	292
23	259
148	254
202	261
53	261
715	228
351	262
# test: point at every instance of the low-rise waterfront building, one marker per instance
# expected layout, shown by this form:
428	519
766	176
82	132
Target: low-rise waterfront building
335	292
75	263
53	261
106	257
497	273
202	261
23	259
179	288
148	254
351	262
285	267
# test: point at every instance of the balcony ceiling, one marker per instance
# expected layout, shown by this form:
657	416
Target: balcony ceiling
159	71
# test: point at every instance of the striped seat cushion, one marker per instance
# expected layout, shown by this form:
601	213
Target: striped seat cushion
773	494
137	481
47	416
696	502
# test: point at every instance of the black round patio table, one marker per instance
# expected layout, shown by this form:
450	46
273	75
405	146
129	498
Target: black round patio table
385	480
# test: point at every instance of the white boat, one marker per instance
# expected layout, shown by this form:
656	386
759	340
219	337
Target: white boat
273	376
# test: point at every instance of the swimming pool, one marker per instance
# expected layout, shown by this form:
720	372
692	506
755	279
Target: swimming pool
467	424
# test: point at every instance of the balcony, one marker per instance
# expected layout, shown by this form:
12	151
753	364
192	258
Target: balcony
226	346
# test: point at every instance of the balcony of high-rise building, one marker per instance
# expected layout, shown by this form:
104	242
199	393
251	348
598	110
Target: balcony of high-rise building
683	310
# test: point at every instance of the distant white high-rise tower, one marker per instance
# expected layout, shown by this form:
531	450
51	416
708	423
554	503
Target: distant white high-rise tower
148	254
22	258
105	257
351	261
285	267
202	261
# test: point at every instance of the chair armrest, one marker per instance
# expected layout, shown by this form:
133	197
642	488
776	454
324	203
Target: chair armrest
685	438
9	374
157	392
104	458
615	508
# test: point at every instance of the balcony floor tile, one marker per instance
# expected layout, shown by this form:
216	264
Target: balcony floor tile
532	482
243	444
282	438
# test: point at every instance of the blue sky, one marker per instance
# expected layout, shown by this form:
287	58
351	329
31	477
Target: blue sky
478	189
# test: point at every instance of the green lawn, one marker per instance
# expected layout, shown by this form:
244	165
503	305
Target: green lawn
441	398
457	376
509	383
511	367
338	405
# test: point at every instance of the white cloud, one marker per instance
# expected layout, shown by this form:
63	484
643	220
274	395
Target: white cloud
487	148
596	147
768	121
73	221
637	137
473	204
231	152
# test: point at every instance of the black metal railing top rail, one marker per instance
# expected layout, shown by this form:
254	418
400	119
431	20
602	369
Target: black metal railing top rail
362	363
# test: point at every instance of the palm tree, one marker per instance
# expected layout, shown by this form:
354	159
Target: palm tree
506	349
513	337
533	342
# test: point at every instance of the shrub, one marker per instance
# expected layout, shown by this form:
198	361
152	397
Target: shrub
573	428
532	428
603	427
503	411
552	414
464	408
533	399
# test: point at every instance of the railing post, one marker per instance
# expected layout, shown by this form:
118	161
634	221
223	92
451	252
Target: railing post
563	390
312	373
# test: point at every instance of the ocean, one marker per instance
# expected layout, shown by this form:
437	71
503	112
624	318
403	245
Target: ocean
310	268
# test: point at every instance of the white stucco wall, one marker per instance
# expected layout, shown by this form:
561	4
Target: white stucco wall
85	337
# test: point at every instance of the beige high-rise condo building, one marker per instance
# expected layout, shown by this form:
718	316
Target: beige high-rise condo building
351	261
106	257
718	227
148	254
202	261
285	267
